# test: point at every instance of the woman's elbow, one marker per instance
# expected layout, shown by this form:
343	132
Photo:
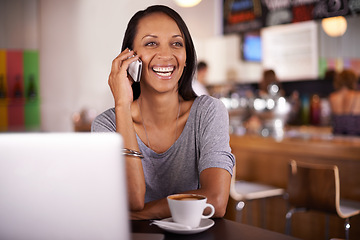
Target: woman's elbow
136	204
220	205
137	201
219	212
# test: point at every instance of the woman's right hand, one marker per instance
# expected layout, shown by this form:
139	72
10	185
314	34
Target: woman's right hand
120	85
119	81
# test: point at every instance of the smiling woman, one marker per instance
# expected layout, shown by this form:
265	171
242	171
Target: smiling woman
179	141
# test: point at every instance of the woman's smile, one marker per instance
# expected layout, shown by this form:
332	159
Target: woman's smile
163	71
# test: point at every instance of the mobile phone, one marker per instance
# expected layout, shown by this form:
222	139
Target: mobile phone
134	70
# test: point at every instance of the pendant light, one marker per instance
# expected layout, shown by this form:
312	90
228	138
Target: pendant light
187	3
334	26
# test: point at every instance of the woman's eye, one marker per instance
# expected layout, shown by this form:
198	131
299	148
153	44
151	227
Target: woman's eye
150	44
178	44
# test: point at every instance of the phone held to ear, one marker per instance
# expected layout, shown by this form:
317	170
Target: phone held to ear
134	70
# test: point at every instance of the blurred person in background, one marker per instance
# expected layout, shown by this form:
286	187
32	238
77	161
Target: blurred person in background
269	88
345	104
270	84
200	80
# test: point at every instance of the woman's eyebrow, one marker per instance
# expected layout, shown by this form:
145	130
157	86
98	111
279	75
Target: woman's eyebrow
150	36
155	36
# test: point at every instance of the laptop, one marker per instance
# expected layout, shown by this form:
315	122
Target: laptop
63	186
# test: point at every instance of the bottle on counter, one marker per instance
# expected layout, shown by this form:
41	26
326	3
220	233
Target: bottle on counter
305	109
315	110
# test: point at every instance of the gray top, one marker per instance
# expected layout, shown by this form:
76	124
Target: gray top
204	143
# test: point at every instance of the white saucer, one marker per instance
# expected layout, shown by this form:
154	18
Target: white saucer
204	225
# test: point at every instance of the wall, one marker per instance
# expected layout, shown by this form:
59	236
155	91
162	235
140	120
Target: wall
18	24
223	55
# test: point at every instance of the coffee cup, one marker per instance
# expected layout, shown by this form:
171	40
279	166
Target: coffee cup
188	209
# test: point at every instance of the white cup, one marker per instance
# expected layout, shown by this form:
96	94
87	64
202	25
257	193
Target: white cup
188	209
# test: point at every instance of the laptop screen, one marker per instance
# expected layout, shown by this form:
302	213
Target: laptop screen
62	186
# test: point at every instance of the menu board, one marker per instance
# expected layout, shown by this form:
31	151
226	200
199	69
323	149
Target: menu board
249	15
291	50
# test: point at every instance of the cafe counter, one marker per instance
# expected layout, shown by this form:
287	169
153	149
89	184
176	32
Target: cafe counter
265	160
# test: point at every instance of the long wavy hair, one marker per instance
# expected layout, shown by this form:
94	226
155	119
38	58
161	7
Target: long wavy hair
185	83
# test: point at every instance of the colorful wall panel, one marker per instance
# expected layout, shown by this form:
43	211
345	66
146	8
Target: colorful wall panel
19	90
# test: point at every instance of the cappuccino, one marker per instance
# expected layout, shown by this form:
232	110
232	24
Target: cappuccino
187	197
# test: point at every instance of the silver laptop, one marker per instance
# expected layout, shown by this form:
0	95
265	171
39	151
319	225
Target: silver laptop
62	186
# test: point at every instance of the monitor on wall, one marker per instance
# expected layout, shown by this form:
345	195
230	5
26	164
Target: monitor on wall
251	48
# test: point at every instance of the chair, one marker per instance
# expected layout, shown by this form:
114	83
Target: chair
317	187
244	192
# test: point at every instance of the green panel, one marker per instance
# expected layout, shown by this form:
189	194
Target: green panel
323	66
32	90
31	75
32	115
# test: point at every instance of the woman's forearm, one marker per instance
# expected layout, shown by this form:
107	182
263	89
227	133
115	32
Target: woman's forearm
134	171
157	209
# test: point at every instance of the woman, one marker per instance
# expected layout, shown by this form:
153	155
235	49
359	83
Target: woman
183	138
345	104
270	84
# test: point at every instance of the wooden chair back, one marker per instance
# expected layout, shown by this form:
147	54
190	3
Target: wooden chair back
314	186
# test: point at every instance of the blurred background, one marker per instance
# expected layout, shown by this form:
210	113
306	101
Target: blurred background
57	54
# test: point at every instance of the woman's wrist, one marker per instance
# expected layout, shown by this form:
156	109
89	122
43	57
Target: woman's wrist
132	153
122	106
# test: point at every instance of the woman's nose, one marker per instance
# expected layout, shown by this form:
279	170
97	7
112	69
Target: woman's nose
165	52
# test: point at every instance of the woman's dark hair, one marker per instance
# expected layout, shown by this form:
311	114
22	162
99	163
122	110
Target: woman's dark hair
269	77
185	82
347	78
201	65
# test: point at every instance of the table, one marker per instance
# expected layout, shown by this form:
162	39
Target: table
222	230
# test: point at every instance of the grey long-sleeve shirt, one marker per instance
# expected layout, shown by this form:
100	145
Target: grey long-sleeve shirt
203	143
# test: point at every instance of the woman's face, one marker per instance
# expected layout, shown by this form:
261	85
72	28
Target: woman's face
161	46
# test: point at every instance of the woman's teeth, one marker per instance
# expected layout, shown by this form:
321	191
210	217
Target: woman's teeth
164	74
163	71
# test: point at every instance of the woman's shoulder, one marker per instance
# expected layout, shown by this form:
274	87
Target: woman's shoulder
206	100
207	103
105	121
109	113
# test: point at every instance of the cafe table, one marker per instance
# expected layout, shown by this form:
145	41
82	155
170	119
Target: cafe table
223	229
